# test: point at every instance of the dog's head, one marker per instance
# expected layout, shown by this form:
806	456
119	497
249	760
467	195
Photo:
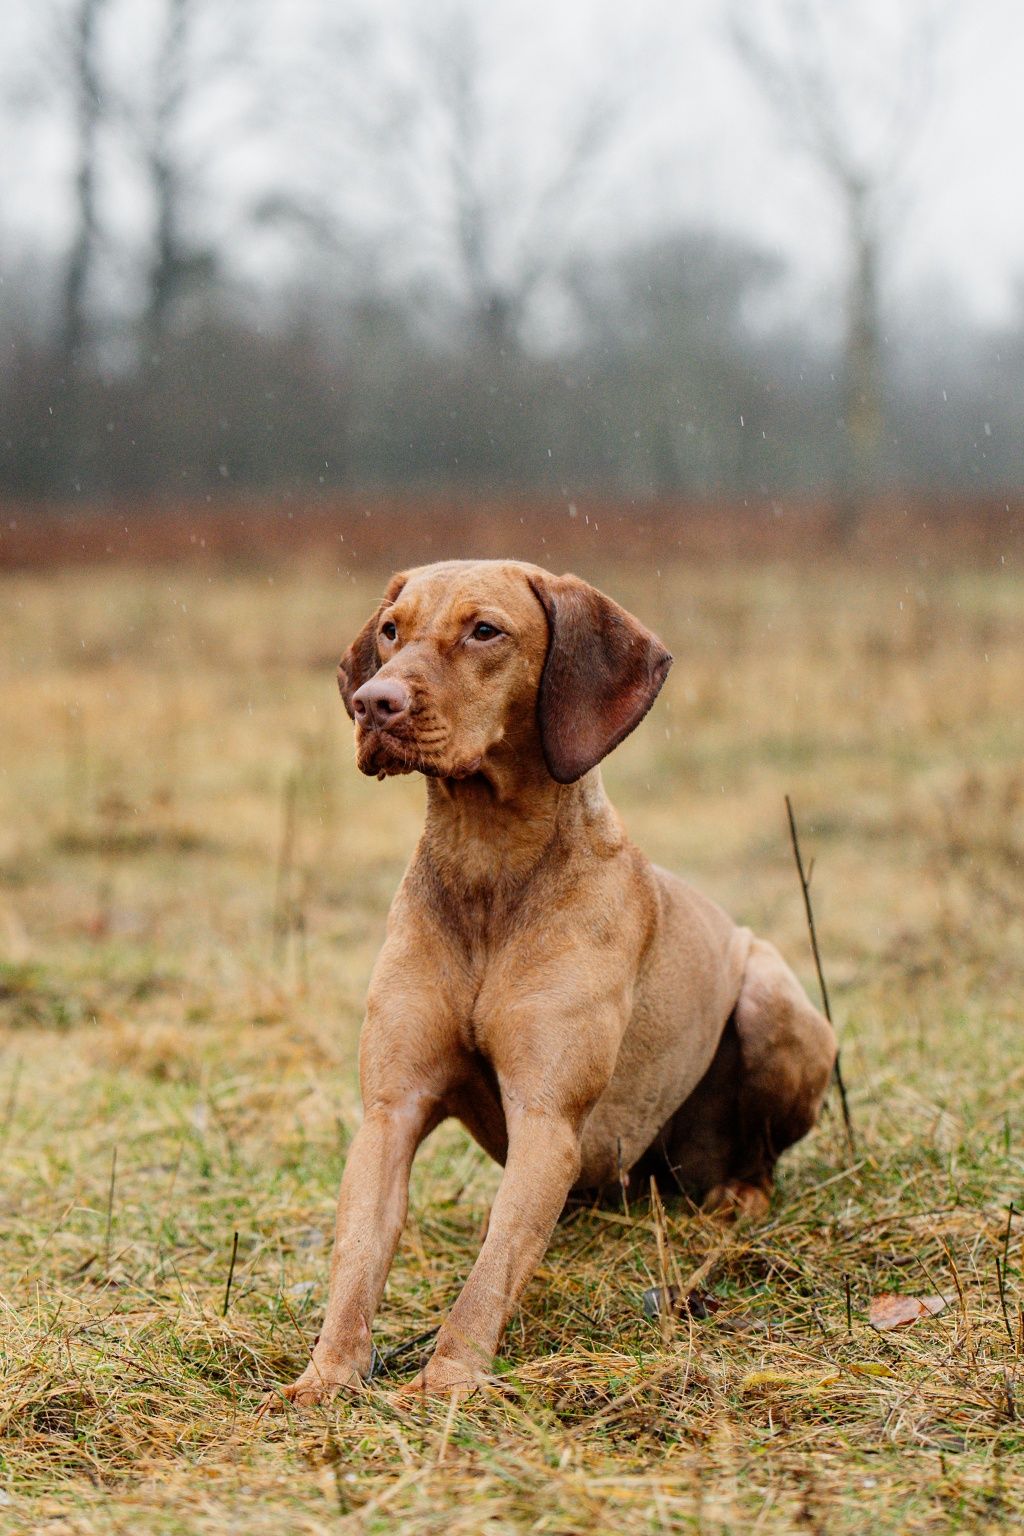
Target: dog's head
473	657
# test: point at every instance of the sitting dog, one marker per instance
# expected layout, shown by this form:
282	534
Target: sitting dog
582	1012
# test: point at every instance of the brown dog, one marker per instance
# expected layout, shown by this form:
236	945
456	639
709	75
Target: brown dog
582	1012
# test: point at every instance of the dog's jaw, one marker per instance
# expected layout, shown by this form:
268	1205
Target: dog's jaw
381	755
386	755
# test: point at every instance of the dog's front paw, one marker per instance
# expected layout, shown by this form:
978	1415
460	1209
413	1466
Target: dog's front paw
321	1381
443	1376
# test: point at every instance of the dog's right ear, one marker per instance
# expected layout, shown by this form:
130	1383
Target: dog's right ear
361	660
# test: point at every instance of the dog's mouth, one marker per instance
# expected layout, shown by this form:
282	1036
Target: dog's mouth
383	754
386	755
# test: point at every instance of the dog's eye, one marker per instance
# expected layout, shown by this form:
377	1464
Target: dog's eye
389	630
485	632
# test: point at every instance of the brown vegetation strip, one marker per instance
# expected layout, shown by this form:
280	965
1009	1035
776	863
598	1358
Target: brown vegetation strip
356	530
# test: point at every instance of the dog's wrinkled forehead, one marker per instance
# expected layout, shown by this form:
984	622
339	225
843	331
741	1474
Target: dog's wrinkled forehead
437	598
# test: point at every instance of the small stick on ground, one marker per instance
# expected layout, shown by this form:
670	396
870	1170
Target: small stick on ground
12	1104
299	928
110	1208
283	892
1006	1237
1001	1282
805	886
75	765
231	1276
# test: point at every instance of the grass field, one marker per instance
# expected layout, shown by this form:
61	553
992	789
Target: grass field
193	883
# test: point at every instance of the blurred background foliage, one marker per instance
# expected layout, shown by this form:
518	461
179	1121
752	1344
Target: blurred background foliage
266	246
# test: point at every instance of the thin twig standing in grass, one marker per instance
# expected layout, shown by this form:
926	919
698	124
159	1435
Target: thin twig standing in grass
298	917
75	765
285	857
283	1301
12	1104
110	1209
965	1318
231	1276
326	779
292	890
805	886
1001	1282
174	1179
665	1261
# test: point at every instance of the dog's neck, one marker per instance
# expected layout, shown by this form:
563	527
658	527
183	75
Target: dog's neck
485	836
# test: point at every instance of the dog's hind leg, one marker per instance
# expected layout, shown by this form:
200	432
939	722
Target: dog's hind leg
762	1092
787	1050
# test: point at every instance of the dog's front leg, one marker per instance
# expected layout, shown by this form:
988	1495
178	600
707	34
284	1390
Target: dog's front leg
542	1165
372	1208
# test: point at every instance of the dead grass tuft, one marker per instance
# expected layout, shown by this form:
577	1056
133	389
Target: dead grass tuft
172	1071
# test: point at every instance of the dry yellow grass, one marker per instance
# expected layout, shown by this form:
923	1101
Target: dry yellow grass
158	1025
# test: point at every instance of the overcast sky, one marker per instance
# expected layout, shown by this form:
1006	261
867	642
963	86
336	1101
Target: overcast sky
695	140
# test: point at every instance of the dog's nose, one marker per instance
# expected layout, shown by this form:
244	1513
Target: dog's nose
381	703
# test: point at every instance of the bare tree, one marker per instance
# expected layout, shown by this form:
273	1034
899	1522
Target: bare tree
169	262
501	270
84	77
853	97
202	55
402	119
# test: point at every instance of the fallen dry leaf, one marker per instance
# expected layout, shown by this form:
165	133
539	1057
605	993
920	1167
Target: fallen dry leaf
759	1379
806	1381
889	1311
872	1368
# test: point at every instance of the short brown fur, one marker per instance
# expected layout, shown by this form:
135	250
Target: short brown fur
582	1012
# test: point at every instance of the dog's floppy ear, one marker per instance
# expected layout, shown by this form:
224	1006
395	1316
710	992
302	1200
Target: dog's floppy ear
602	674
361	660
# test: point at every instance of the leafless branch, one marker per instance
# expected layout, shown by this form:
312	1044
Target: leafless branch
805	886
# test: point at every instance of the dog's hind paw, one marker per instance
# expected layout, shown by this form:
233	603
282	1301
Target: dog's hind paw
736	1200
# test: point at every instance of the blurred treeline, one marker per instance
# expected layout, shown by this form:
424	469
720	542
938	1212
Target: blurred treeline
305	262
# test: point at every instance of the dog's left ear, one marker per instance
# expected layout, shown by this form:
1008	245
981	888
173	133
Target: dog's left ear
603	672
361	660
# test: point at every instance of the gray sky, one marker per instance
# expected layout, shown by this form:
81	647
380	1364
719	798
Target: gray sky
695	141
